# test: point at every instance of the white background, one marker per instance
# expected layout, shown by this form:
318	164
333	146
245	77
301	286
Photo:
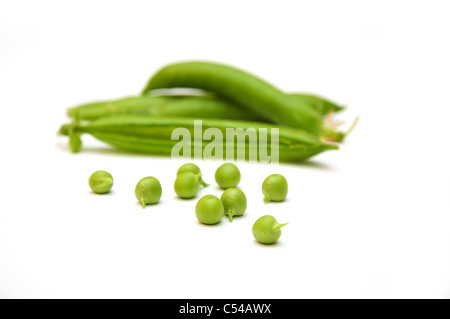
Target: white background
371	220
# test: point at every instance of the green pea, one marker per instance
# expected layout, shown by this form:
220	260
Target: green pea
228	175
209	210
148	191
101	182
191	167
234	202
267	230
186	185
275	188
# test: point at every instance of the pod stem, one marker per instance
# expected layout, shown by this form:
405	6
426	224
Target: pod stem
267	199
143	203
352	127
74	141
278	226
74	136
230	214
64	130
202	182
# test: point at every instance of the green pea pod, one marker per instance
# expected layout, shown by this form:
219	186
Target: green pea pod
242	89
320	104
198	107
153	135
187	106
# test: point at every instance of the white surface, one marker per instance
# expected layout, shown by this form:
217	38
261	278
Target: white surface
369	221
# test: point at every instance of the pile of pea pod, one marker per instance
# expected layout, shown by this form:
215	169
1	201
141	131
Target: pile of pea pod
229	98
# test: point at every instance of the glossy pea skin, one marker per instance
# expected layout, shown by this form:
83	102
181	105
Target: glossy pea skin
275	188
234	202
101	182
228	176
209	210
191	167
148	191
186	185
267	230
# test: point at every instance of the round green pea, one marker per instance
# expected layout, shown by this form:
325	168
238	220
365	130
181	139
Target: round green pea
209	210
186	185
275	188
234	202
191	167
228	175
148	191
101	182
267	230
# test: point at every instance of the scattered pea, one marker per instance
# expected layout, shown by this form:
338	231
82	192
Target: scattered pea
148	191
228	176
101	182
234	202
186	185
275	188
191	167
267	230
209	210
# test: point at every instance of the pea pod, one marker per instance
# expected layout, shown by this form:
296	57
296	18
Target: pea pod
320	104
152	135
186	106
199	107
240	88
